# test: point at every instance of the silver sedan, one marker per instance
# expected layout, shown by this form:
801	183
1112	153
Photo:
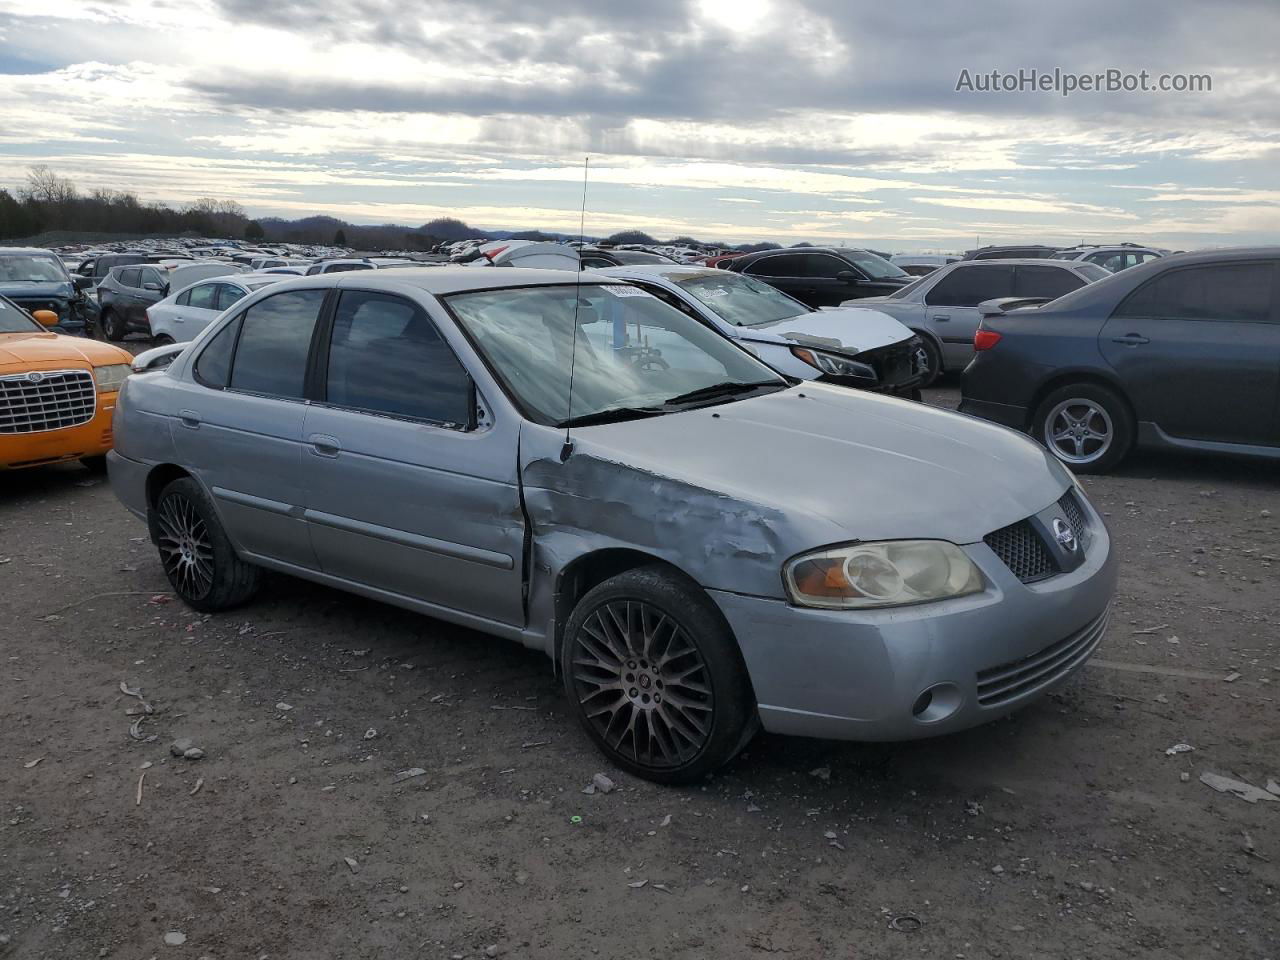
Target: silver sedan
701	546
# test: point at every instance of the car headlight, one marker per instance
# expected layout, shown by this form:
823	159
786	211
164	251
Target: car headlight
110	377
834	364
888	573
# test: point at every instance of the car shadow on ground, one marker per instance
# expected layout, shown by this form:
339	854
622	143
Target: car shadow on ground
493	670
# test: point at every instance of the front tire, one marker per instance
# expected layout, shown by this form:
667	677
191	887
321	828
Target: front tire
1085	425
113	325
933	360
195	552
655	677
162	340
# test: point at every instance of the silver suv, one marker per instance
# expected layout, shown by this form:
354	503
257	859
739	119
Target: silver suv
701	545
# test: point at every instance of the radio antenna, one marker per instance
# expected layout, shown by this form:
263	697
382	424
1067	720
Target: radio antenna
567	450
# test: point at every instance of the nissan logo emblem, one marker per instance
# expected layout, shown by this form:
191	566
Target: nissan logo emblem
1064	535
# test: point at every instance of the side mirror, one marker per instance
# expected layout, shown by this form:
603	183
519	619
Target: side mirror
157	358
848	276
154	287
82	283
46	318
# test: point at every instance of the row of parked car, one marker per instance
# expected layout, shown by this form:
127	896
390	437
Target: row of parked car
659	475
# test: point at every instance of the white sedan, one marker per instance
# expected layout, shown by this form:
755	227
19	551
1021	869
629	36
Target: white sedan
852	347
181	316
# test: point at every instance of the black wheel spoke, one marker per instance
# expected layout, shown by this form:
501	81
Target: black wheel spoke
186	549
642	684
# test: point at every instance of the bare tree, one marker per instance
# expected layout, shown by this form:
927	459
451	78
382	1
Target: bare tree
45	186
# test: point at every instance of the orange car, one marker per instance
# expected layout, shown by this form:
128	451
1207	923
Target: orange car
57	393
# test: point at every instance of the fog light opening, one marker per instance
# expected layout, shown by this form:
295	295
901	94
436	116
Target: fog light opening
937	703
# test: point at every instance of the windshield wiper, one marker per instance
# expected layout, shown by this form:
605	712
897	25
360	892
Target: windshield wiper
612	415
728	388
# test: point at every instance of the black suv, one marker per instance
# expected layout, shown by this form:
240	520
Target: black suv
1179	353
823	276
125	294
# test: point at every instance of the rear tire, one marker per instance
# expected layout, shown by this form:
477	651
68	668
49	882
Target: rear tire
195	552
113	325
1085	425
655	676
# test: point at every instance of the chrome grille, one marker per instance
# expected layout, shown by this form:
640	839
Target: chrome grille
54	400
1075	515
1008	681
1020	548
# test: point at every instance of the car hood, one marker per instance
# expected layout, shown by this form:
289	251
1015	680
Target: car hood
43	291
841	329
45	351
775	475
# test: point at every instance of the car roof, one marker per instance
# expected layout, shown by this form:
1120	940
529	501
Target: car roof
24	251
1018	261
661	269
440	281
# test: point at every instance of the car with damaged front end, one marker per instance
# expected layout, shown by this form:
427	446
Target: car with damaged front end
701	546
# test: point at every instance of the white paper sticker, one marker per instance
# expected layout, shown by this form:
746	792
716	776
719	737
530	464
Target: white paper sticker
618	290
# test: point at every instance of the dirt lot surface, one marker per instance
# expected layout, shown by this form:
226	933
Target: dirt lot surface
1065	831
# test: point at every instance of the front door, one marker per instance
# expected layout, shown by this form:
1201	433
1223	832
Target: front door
405	492
239	426
1198	351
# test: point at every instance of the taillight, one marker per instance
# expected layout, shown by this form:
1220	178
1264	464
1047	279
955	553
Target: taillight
985	339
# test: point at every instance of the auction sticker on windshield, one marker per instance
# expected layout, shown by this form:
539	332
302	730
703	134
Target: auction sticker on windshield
620	291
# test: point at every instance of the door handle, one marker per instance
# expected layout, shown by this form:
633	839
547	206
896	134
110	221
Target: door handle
1130	339
179	320
942	317
189	418
324	446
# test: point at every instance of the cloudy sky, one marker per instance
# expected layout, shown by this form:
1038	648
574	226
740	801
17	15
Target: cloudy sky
788	120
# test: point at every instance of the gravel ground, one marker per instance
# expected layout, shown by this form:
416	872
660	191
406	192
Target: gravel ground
1065	831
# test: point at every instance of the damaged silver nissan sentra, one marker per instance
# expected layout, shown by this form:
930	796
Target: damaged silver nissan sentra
702	546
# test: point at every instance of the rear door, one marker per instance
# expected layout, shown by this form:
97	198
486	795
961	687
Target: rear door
951	306
194	310
239	424
406	494
1197	349
787	272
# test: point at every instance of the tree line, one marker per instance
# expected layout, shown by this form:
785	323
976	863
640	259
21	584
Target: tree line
45	202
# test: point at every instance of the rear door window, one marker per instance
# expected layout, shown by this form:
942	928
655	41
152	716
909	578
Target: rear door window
969	286
275	341
129	277
387	357
784	265
202	297
1051	282
1236	292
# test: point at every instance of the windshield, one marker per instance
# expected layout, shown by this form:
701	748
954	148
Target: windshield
738	298
32	268
14	320
877	268
633	355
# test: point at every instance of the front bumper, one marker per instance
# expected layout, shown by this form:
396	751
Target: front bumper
863	675
90	439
